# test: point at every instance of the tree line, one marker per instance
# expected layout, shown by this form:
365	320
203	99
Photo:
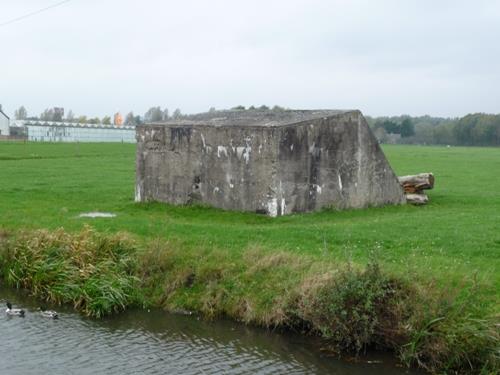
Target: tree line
477	129
153	114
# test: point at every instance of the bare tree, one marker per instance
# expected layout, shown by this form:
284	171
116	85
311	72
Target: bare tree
130	119
70	116
47	115
21	113
153	114
177	114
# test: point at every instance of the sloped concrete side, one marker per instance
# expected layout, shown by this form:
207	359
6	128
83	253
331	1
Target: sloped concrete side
333	162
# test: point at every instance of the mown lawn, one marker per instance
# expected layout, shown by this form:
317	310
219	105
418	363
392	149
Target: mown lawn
458	234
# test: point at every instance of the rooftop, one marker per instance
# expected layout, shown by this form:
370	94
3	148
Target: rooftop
69	124
253	117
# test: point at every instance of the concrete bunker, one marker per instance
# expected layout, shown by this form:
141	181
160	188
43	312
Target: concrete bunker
272	162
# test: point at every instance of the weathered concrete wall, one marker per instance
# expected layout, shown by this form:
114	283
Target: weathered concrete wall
271	165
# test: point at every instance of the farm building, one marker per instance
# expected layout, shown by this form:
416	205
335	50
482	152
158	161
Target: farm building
4	124
51	131
272	162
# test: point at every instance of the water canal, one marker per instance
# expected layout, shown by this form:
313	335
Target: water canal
155	342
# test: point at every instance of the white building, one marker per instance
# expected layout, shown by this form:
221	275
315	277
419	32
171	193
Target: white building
51	131
4	124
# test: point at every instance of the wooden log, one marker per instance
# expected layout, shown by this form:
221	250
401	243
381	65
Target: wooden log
416	183
417	199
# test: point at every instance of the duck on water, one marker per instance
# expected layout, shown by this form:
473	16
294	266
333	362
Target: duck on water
51	314
13	312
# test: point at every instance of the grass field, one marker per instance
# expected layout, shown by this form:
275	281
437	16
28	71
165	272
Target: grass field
458	233
274	271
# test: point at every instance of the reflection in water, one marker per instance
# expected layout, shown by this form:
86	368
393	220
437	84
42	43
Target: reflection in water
142	342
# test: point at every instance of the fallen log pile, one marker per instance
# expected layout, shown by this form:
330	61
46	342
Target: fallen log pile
415	185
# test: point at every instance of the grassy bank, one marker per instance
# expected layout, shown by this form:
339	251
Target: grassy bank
422	281
352	307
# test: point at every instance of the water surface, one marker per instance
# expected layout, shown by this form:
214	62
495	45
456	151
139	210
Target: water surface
155	342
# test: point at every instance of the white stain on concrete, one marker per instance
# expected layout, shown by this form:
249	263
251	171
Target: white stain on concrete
291	147
239	151
221	150
318	188
272	207
203	140
216	190
243	152
340	182
137	193
283	206
246	154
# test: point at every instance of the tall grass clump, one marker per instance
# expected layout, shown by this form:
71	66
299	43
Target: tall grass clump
452	331
94	272
355	309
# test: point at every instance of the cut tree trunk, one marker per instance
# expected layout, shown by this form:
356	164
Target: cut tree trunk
416	183
417	199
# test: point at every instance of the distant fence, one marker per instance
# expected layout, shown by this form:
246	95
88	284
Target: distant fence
13	138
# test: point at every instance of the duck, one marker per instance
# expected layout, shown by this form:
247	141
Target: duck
13	312
51	314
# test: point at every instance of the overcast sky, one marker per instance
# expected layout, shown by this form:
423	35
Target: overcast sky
385	57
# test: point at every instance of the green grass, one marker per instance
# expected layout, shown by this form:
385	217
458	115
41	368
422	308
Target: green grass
422	281
48	185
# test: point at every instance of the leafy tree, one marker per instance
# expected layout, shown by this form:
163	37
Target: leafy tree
82	119
464	127
239	108
165	116
443	134
407	128
263	107
21	113
94	120
106	120
212	110
391	127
